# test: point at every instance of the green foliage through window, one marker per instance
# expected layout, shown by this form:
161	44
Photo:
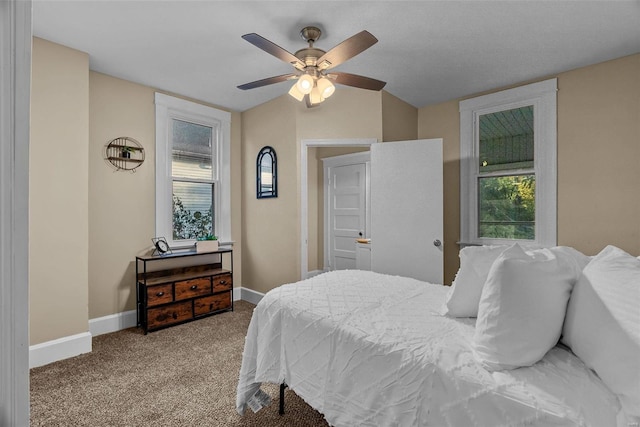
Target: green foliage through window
507	207
189	224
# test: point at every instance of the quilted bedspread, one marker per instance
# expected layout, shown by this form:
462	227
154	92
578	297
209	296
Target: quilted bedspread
367	349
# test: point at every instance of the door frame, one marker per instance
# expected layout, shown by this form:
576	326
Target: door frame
346	160
15	86
304	196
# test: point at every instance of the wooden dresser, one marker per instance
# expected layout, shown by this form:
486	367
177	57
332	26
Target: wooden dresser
183	286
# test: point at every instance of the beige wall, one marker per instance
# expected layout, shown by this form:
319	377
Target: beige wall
599	156
58	192
121	203
269	225
399	119
87	222
443	121
272	226
399	123
598	159
350	113
75	113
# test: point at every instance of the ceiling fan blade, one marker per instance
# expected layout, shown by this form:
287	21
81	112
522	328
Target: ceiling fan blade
355	80
273	49
347	50
267	81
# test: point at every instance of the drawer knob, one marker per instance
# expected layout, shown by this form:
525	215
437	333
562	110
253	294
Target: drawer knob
222	282
194	287
175	315
159	294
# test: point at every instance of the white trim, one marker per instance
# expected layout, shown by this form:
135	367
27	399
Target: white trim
304	196
345	160
168	107
15	90
542	96
251	296
59	349
66	347
237	293
113	323
315	273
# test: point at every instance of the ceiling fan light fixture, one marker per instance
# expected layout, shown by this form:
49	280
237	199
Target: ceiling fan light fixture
312	83
305	84
325	87
295	92
315	97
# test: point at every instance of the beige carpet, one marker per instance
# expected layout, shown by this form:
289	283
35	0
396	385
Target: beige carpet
182	376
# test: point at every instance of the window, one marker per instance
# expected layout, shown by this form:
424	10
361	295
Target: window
192	171
508	166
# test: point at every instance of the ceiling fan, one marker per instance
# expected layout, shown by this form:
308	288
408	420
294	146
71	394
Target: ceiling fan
314	82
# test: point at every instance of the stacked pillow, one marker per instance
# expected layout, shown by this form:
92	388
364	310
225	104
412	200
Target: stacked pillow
602	325
524	300
522	307
475	262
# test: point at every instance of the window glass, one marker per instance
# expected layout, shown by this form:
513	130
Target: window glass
192	210
266	174
192	166
507	207
508	166
506	140
193	191
506	202
191	151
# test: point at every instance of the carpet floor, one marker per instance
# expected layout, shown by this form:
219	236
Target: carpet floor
181	376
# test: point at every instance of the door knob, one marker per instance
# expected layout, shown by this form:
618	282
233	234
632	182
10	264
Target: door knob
437	243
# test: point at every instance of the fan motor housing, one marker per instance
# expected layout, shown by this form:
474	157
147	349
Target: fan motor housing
309	55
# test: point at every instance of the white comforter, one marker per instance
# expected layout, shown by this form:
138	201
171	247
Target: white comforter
367	349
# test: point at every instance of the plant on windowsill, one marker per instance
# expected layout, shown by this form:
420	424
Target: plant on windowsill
208	243
126	152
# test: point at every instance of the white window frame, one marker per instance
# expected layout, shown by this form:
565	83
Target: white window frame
167	109
542	96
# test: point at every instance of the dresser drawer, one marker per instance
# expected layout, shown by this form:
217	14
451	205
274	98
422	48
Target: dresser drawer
222	283
193	288
212	303
161	294
169	314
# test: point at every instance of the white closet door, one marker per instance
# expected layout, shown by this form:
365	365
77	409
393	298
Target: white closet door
406	209
347	189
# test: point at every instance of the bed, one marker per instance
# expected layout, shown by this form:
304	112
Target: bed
370	349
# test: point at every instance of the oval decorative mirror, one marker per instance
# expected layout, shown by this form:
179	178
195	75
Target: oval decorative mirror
267	173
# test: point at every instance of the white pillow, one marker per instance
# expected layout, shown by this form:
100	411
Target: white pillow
475	262
464	295
602	325
522	307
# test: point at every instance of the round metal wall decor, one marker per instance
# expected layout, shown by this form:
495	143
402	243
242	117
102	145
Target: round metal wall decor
125	153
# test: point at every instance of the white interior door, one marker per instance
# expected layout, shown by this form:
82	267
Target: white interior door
407	209
346	213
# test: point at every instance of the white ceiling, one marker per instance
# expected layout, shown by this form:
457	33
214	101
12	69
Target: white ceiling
428	51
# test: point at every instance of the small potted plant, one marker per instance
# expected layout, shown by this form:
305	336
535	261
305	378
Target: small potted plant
208	243
126	152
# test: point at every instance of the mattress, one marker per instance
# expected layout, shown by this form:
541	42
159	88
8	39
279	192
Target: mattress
369	349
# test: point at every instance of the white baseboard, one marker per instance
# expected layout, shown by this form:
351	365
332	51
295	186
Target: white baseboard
66	347
251	296
237	293
59	349
113	323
